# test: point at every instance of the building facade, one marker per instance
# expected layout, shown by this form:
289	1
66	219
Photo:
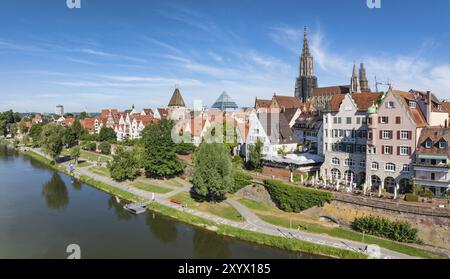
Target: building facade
345	137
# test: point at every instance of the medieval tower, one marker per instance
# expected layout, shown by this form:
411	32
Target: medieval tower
306	81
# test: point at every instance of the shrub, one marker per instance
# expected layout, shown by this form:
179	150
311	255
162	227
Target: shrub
105	148
89	146
411	198
240	181
396	230
295	199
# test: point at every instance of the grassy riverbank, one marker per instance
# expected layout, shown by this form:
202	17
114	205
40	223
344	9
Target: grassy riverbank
254	237
276	217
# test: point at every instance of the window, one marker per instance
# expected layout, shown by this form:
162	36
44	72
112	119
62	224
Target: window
398	120
442	144
358	120
349	120
390	167
384	120
335	161
428	144
387	149
326	120
362	164
406	168
364	120
404	135
335	120
348	163
339	120
375	166
412	104
349	148
387	134
404	150
390	105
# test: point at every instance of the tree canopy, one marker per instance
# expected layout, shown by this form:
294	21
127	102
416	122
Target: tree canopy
255	154
52	139
107	134
160	151
212	174
124	165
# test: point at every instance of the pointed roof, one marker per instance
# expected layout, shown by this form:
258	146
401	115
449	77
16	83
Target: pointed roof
224	102
305	42
177	99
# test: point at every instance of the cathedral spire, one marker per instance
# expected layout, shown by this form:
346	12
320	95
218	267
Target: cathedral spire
363	81
306	81
355	85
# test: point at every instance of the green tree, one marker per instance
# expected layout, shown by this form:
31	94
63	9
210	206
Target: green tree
35	133
107	134
160	157
123	166
12	129
255	154
83	115
212	174
75	154
3	131
51	139
70	138
105	148
78	129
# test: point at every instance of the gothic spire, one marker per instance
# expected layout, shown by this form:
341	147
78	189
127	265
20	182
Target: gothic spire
355	85
306	59
364	82
305	42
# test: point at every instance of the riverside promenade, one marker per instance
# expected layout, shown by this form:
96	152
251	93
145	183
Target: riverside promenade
251	223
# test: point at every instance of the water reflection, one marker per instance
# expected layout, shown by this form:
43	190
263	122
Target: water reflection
205	249
55	192
121	213
162	228
76	184
7	153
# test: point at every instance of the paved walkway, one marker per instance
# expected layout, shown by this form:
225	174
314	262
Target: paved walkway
251	223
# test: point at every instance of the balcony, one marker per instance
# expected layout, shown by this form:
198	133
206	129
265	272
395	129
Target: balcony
423	181
431	168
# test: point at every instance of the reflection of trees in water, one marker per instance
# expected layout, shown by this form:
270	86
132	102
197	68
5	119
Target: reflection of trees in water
76	184
55	192
121	213
162	228
7	153
206	246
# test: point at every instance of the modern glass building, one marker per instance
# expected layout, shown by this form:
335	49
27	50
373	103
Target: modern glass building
224	102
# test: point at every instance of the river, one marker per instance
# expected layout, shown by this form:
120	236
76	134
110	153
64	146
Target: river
43	211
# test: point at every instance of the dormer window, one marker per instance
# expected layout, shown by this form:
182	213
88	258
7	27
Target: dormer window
442	144
428	144
390	105
439	106
412	104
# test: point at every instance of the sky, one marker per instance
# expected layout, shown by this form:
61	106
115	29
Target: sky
116	53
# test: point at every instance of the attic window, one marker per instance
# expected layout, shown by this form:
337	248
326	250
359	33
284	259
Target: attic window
390	105
439	106
442	145
428	144
412	104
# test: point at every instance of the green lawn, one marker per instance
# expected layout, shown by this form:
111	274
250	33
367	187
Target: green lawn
84	165
252	204
100	171
151	188
222	209
92	156
348	234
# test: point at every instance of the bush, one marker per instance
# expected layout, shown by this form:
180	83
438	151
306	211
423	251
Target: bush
240	181
89	146
184	148
411	198
395	230
295	199
105	148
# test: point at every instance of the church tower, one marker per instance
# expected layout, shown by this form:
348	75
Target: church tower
363	81
306	81
354	83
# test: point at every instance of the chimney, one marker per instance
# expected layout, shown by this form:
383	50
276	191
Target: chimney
429	104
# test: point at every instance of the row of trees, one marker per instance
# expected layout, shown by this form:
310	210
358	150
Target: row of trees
9	122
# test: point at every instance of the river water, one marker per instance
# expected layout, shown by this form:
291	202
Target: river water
43	211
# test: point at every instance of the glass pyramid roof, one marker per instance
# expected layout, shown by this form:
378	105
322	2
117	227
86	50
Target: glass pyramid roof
224	102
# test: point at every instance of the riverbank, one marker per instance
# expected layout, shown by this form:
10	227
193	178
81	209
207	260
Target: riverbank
280	242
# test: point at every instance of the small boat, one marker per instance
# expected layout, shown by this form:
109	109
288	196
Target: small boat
135	208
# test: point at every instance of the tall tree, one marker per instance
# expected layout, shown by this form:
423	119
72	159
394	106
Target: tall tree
107	134
70	138
255	154
78	129
35	133
212	175
75	154
51	139
160	157
124	165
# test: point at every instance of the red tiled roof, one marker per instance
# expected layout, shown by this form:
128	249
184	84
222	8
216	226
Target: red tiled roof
436	134
260	103
288	102
164	113
363	100
416	113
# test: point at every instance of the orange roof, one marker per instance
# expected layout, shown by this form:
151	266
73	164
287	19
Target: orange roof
288	102
259	103
363	100
416	113
88	123
69	121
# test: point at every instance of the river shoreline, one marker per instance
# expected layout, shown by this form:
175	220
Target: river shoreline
224	230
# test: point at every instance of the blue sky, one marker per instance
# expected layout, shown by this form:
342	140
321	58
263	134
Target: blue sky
115	53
